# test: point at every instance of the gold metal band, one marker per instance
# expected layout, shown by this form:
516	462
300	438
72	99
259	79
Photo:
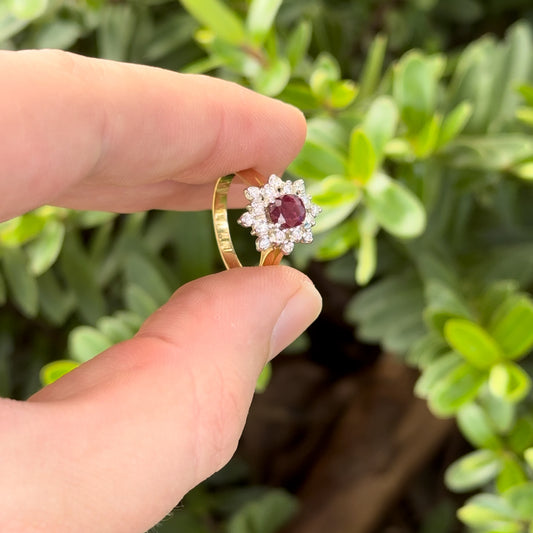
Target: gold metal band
272	256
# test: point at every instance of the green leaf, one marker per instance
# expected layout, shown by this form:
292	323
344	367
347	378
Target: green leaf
3	292
395	207
92	219
130	319
59	34
197	244
483	509
44	250
435	372
264	379
366	259
509	382
77	270
512	327
472	342
415	89
84	342
337	197
274	78
21	229
501	413
139	301
473	471
491	152
326	69
511	474
341	94
361	157
521	435
299	95
527	92
115	329
265	515
520	499
56	302
115	31
22	285
176	31
495	300
444	302
215	15
298	43
6	353
373	66
456	389
380	123
524	171
329	133
184	520
338	240
317	160
367	252
477	427
27	9
427	350
142	272
424	142
511	67
10	25
528	456
56	369
525	115
261	15
454	123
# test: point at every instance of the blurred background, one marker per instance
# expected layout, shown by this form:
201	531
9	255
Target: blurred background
406	408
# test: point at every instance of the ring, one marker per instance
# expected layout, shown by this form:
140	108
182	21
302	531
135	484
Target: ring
280	214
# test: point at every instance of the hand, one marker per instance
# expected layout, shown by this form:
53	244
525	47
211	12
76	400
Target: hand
115	444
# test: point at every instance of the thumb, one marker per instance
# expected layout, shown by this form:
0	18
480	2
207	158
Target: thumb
152	417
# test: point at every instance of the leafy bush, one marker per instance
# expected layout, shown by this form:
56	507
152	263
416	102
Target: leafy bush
420	158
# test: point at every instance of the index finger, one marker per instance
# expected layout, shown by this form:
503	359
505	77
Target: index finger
82	129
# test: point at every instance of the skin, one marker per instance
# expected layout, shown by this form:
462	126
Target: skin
114	445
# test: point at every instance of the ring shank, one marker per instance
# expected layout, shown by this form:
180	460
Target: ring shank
272	256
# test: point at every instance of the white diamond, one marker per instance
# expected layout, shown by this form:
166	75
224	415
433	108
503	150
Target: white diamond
252	193
260	228
287	247
275	181
307	237
269	193
297	233
262	244
277	236
258	210
246	220
315	210
287	187
298	186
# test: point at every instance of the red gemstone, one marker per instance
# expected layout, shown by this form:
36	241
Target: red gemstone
288	210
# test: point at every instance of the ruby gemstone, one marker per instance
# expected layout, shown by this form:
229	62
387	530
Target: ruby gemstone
288	210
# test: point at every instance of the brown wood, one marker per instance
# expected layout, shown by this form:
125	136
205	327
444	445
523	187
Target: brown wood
383	438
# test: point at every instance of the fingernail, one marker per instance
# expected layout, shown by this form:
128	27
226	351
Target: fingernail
300	311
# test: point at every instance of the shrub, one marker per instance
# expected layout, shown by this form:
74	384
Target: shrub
422	160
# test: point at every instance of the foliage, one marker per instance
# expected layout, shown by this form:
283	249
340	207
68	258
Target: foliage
421	157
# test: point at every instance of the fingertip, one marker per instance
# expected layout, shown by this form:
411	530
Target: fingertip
299	312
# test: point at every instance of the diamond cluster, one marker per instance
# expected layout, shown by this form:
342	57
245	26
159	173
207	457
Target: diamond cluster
280	214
